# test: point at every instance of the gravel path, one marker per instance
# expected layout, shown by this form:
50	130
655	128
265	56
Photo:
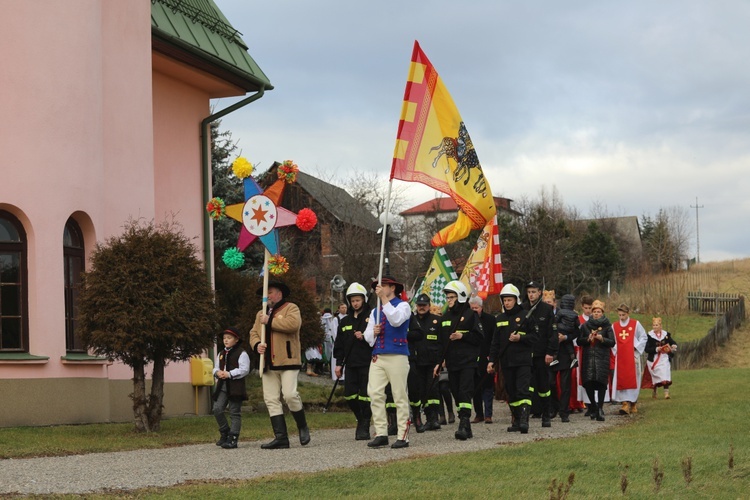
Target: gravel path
329	449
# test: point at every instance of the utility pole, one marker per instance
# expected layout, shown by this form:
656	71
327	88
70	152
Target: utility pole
697	231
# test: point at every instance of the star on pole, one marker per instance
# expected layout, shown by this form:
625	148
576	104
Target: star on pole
261	215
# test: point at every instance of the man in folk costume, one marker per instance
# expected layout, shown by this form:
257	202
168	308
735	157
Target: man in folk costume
461	336
511	347
351	351
390	360
282	362
545	349
660	348
630	337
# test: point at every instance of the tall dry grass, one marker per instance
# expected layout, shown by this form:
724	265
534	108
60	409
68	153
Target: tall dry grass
666	294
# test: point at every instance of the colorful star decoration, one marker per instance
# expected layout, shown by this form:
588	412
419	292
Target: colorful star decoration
261	215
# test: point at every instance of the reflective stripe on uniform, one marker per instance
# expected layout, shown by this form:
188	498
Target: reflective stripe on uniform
545	394
465	405
521	402
503	323
432	337
347	328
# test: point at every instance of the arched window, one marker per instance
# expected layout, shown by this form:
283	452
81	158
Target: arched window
73	253
14	317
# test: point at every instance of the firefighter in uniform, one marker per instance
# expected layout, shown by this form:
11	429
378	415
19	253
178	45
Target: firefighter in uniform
545	349
461	336
512	347
352	350
425	326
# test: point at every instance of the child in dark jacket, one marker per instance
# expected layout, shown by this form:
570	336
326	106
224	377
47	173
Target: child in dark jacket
232	366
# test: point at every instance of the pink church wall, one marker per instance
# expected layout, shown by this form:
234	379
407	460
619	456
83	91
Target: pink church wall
78	138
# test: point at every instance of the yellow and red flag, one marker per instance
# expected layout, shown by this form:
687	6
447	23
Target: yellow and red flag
483	273
433	147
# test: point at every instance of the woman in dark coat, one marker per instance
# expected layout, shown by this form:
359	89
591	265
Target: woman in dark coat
596	340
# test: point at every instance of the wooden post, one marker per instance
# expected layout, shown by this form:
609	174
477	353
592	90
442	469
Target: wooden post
264	309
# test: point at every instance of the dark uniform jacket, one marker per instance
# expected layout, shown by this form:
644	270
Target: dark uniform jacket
462	353
542	323
359	351
427	346
508	353
595	366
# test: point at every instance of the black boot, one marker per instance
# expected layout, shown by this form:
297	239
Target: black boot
600	413
431	413
392	421
514	420
231	442
304	431
469	434
546	421
593	411
523	417
363	430
224	436
363	426
281	440
418	425
462	434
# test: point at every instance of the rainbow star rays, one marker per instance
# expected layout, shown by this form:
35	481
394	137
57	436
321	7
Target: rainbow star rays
261	215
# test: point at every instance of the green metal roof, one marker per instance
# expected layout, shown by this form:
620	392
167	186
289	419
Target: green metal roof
190	29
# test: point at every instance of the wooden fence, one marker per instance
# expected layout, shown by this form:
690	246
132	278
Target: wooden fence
711	303
693	354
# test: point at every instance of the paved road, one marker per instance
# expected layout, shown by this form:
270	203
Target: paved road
329	449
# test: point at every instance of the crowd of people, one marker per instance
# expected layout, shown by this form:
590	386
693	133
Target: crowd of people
539	356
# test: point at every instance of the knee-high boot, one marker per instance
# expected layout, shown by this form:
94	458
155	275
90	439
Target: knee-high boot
304	431
281	440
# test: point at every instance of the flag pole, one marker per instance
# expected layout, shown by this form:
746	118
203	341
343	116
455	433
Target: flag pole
261	364
386	220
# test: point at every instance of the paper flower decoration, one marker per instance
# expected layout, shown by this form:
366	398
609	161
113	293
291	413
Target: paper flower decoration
233	258
278	265
216	208
306	219
242	168
288	171
261	217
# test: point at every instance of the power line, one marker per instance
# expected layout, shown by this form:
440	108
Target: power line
697	231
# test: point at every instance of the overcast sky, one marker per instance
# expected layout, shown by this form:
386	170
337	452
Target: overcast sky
634	105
